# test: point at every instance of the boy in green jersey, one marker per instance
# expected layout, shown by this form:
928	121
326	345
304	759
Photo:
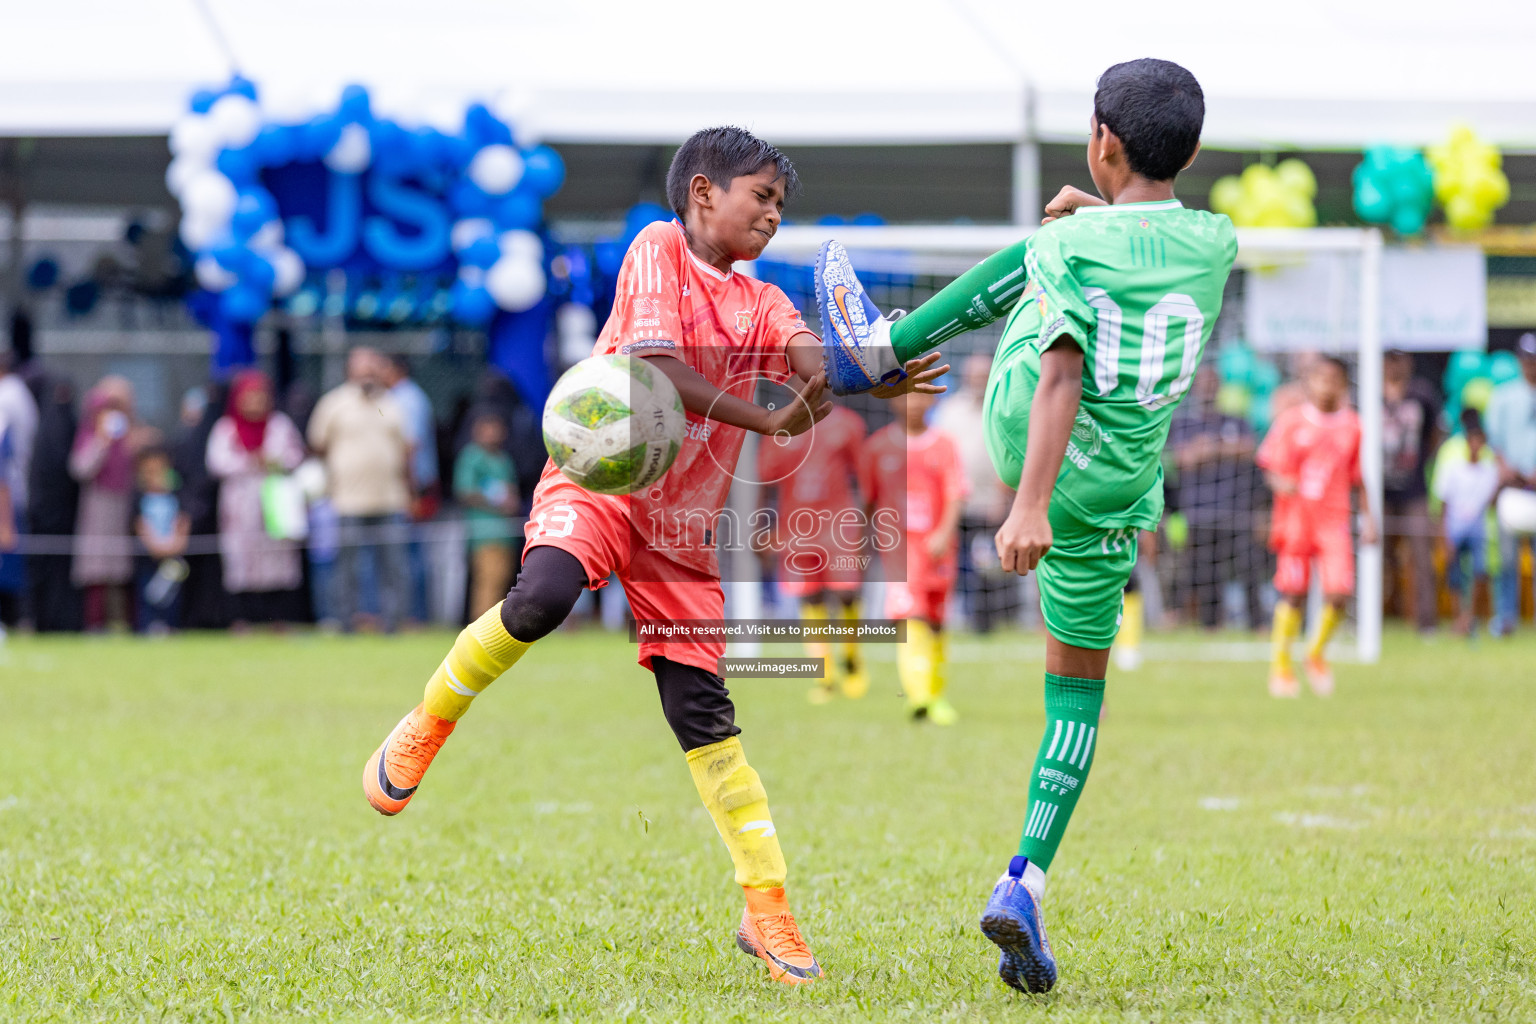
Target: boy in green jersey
1109	307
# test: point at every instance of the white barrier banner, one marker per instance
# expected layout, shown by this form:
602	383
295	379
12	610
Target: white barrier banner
1432	299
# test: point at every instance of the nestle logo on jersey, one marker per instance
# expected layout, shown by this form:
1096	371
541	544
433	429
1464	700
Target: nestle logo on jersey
698	430
647	306
647	321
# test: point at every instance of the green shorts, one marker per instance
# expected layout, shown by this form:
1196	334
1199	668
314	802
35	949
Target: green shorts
1082	579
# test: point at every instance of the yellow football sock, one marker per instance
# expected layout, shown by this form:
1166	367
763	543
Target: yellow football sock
853	658
1332	616
736	800
937	677
914	660
815	614
483	651
1287	626
1132	619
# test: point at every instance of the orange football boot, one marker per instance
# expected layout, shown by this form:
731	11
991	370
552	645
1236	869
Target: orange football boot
391	775
1320	676
768	932
1283	683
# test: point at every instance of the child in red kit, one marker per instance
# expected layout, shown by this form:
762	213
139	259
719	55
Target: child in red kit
911	476
715	333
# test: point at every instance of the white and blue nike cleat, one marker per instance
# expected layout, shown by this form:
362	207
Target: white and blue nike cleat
1012	921
856	352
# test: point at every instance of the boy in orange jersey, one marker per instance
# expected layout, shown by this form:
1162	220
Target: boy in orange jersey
1311	458
811	476
911	472
715	333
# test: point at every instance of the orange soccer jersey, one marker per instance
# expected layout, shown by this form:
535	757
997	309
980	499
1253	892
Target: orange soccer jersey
913	478
734	331
1321	453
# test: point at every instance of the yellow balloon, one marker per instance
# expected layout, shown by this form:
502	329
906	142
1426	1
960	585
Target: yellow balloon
1297	177
1227	194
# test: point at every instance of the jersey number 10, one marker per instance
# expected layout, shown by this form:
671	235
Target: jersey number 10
1157	382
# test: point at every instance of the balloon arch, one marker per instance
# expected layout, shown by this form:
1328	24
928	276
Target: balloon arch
308	204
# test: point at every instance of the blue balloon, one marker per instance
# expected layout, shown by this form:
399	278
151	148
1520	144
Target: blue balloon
242	305
868	220
468	201
484	128
43	274
253	208
203	100
275	145
239	85
543	171
81	297
355	104
832	220
258	276
482	252
519	211
233	257
473	306
609	256
391	145
642	214
238	165
320	135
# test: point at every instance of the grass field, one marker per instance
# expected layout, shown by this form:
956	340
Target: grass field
183	837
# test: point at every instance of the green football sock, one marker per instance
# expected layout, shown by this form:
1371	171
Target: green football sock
978	297
1061	768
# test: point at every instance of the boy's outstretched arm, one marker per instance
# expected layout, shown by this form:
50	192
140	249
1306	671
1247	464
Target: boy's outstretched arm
805	358
704	399
1025	535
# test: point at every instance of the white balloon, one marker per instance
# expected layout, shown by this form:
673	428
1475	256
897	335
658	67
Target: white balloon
352	153
209	196
520	244
287	272
212	276
198	233
195	137
515	284
445	115
496	169
236	120
469	231
181	172
268	238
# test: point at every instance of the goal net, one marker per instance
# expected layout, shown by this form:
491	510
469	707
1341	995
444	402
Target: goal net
1207	574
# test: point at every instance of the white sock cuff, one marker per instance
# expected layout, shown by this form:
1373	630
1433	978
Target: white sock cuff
1034	880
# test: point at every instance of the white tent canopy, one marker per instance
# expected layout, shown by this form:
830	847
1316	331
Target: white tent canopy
1306	73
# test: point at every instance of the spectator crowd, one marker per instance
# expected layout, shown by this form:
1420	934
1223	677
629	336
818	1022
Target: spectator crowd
258	508
266	508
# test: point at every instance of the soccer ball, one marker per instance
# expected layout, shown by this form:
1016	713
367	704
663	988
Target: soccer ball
614	424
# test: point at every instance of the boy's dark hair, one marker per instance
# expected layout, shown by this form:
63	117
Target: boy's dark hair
1335	362
1156	108
723	155
153	451
478	416
1472	422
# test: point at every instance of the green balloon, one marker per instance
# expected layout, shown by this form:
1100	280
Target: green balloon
1503	366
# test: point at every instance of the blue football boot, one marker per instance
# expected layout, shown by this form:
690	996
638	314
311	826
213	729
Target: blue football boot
1012	921
856	352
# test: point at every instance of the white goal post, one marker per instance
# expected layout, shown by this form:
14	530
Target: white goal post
967	244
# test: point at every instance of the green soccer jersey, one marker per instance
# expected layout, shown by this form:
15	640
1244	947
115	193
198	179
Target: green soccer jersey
1138	288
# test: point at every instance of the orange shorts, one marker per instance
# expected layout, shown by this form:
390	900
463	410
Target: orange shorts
1331	545
596	529
904	601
